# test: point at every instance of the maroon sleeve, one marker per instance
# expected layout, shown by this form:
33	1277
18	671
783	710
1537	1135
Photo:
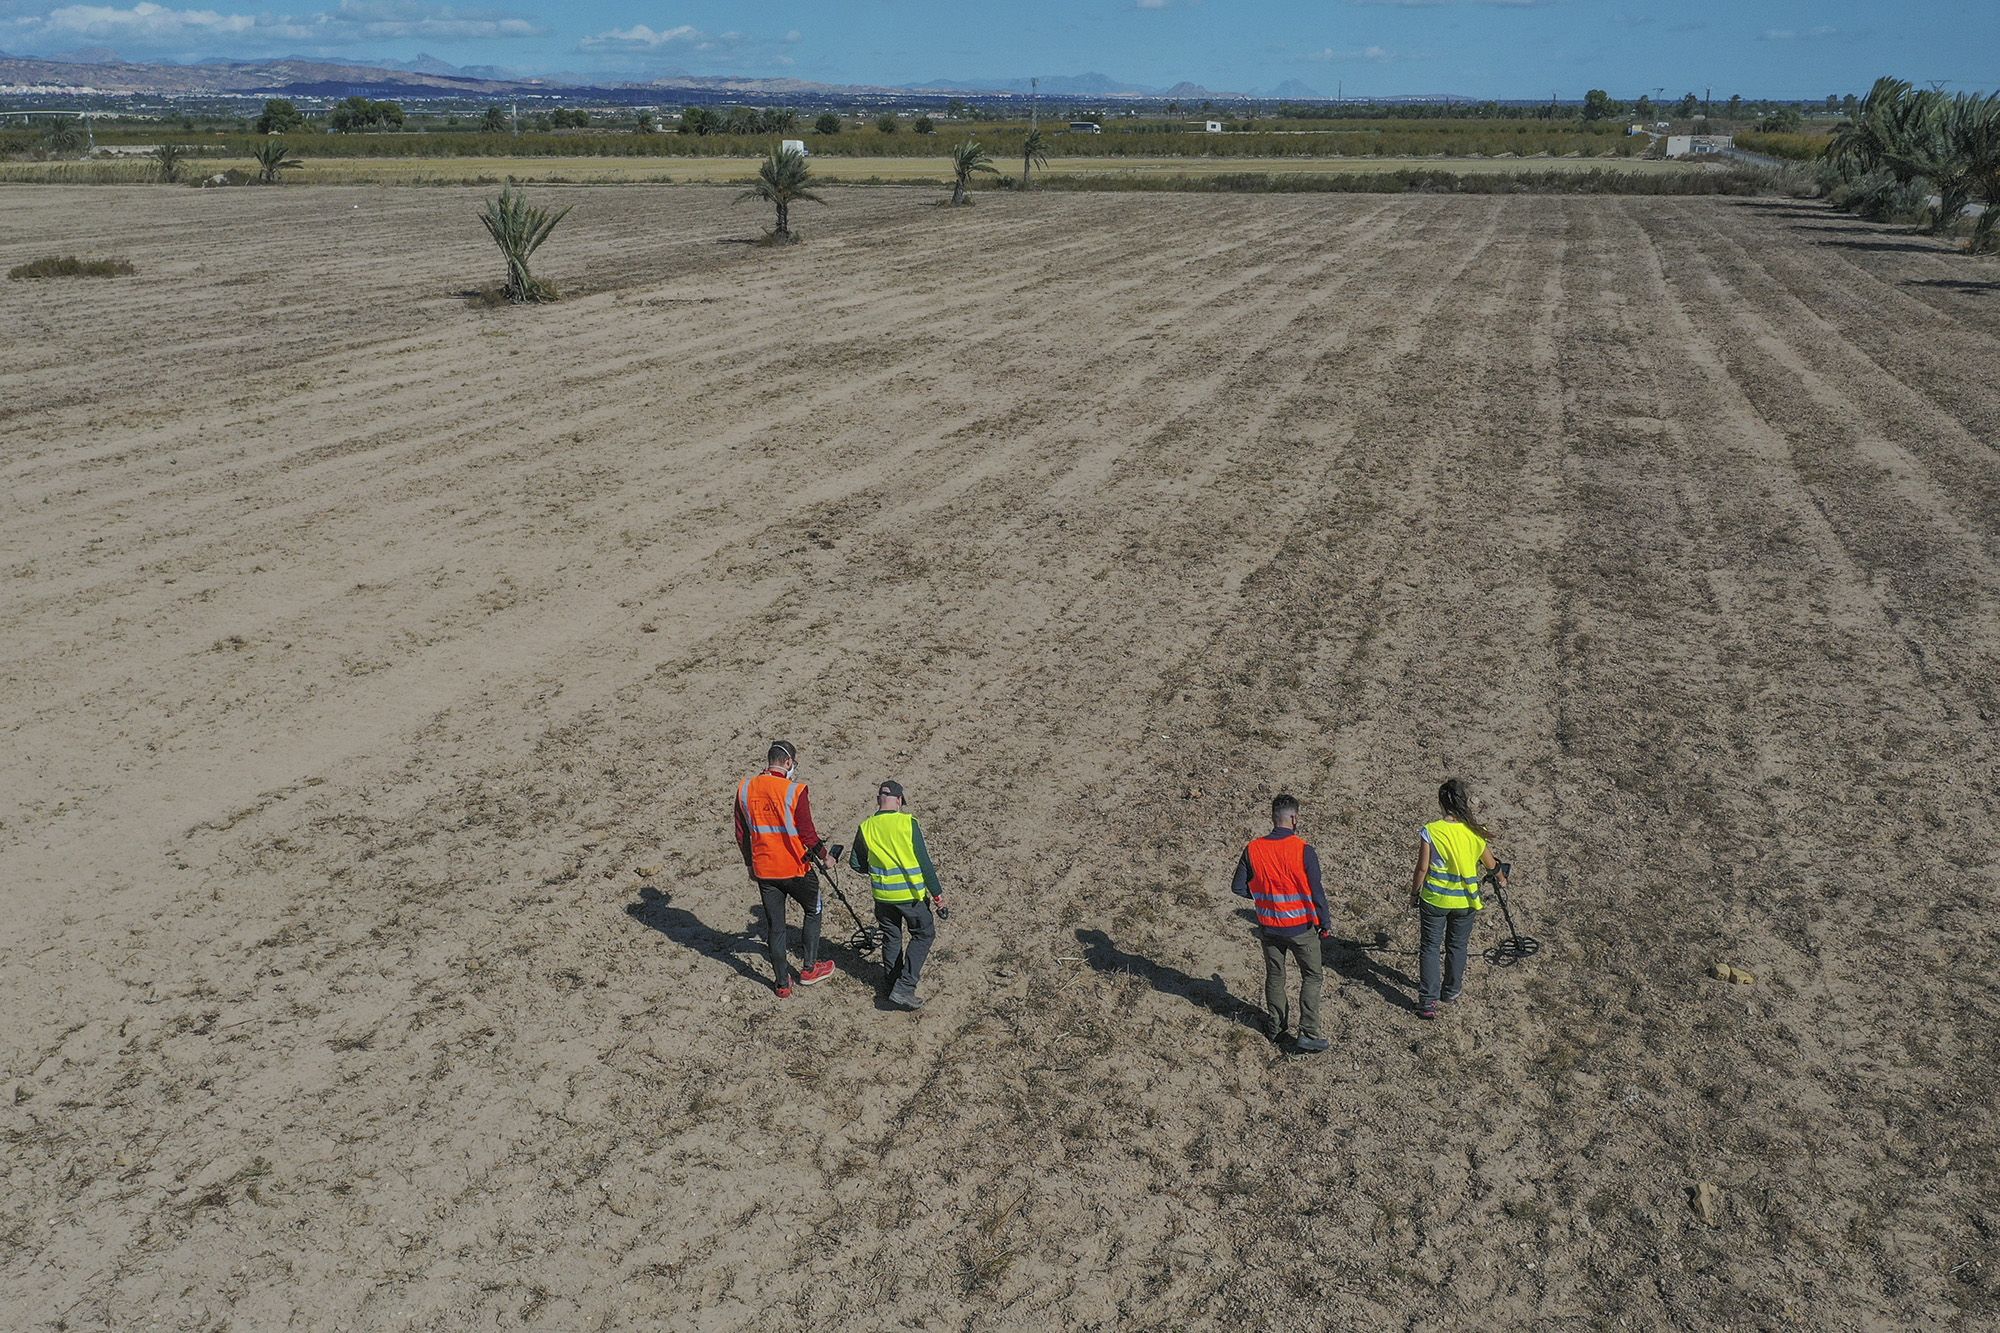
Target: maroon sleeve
802	819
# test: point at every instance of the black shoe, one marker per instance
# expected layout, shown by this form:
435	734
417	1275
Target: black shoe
1274	1032
906	999
1312	1045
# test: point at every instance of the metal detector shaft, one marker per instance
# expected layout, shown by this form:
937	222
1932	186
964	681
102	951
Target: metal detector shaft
833	856
1516	946
866	937
1506	912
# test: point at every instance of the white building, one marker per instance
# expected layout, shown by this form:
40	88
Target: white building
1696	145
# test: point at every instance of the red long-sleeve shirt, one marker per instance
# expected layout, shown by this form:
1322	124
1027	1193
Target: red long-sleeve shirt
802	818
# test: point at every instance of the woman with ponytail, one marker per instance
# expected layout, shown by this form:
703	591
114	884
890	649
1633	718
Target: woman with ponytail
1450	854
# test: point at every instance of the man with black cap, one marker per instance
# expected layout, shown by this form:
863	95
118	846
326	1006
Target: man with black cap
889	849
780	846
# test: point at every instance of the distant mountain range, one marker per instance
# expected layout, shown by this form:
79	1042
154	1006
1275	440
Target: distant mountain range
105	72
1104	86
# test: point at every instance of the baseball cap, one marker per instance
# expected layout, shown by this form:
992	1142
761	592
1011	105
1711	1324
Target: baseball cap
890	787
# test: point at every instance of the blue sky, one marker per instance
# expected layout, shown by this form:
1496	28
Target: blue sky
1486	48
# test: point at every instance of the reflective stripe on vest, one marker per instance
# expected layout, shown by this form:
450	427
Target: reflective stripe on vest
1278	883
1453	879
894	871
767	804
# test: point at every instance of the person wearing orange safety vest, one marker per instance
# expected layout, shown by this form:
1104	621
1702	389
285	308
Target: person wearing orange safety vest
1279	873
780	846
1445	891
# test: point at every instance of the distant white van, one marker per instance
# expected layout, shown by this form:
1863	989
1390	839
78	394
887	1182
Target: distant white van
1085	127
795	146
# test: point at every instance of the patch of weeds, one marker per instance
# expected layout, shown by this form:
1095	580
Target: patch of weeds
69	266
987	1254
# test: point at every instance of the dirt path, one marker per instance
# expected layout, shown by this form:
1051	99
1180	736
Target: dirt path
377	668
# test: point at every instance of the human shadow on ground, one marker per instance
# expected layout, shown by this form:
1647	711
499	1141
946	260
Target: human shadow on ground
1212	994
1353	960
657	911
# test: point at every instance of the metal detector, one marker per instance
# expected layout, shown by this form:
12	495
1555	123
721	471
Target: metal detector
1516	946
866	939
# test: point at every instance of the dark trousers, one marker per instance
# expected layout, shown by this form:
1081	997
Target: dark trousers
905	965
1304	949
805	892
1446	932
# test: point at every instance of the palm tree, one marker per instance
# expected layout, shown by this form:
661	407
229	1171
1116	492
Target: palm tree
1860	145
1034	153
171	157
61	138
782	182
1931	149
271	160
519	230
1977	139
967	160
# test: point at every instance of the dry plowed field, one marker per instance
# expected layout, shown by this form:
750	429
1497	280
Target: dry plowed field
377	668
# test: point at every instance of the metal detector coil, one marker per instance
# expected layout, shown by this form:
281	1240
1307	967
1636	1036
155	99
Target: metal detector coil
1516	946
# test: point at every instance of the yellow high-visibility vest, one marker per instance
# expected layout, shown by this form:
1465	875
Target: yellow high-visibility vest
893	869
1453	879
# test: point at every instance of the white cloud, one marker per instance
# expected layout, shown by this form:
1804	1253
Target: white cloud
140	21
1333	55
1150	4
795	36
639	37
1798	35
146	23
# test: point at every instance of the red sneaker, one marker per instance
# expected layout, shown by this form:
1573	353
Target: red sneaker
817	973
784	992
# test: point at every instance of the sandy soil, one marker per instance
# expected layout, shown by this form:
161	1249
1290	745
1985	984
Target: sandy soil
377	667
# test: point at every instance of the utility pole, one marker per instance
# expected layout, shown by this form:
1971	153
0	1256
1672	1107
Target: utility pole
1034	102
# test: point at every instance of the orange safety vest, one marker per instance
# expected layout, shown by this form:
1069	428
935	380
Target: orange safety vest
765	804
1278	883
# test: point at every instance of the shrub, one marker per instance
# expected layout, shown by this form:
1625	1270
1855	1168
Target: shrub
1791	147
828	123
886	123
1879	197
69	266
